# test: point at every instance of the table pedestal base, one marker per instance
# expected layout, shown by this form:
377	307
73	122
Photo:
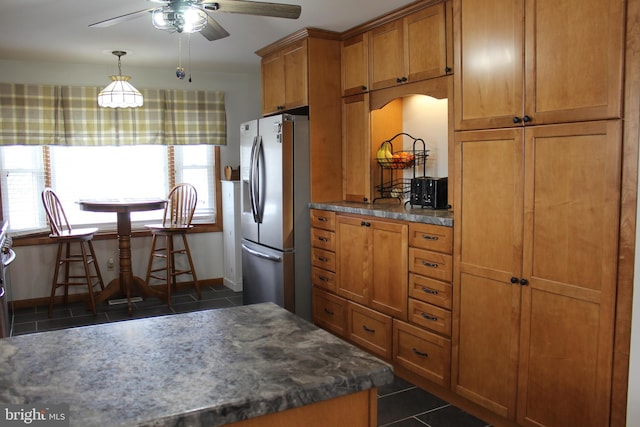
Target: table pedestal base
116	289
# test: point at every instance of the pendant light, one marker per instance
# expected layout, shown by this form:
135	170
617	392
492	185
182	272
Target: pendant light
120	93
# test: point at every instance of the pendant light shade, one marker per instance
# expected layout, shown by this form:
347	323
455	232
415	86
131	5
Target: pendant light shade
120	93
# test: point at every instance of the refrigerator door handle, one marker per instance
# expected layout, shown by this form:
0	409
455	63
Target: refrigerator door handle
252	171
261	254
256	182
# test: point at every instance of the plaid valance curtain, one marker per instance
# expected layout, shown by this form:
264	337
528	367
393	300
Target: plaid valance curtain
69	115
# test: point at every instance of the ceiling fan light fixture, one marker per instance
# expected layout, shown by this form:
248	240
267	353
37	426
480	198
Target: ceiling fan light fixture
187	19
120	93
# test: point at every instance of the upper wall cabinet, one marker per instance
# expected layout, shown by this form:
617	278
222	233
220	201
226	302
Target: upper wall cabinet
409	49
303	70
567	67
355	72
284	79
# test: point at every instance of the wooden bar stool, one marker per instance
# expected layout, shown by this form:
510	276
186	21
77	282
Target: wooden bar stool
176	222
75	248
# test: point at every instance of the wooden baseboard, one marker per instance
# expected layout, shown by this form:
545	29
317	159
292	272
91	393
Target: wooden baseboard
84	297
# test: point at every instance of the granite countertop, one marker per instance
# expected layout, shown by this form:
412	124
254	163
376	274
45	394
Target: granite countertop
203	368
391	211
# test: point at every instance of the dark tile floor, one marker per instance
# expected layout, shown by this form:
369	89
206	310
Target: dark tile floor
400	404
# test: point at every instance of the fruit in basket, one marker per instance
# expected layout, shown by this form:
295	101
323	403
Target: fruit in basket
384	152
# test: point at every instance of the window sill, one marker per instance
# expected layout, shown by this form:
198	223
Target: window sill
43	238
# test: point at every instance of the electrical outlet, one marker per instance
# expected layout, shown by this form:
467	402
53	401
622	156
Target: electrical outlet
110	264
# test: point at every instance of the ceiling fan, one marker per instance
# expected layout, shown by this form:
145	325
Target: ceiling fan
191	16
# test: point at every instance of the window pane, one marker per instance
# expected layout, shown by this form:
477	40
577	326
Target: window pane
194	164
100	172
22	182
108	172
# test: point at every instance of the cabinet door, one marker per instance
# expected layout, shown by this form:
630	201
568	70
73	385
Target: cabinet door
574	56
570	259
389	283
488	61
353	253
386	58
272	83
355	60
488	253
356	149
425	52
295	75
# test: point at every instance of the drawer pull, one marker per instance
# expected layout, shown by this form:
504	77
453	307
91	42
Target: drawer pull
371	331
323	219
429	291
429	264
419	353
365	224
329	312
428	237
323	259
323	279
428	317
323	239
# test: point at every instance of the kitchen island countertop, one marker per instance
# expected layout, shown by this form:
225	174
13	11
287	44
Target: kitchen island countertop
208	367
399	211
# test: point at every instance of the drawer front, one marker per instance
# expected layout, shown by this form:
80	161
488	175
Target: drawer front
370	330
323	219
323	239
430	290
323	259
422	352
431	237
431	264
323	278
330	312
429	316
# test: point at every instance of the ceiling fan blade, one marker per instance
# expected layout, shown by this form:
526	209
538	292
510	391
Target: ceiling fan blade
120	19
278	10
213	31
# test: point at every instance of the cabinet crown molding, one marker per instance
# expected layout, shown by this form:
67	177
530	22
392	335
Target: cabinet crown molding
294	37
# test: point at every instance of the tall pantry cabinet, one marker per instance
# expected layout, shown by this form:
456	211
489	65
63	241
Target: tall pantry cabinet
538	152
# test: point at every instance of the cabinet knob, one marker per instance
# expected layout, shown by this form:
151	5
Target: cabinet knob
524	282
515	280
516	119
364	88
526	119
447	70
365	224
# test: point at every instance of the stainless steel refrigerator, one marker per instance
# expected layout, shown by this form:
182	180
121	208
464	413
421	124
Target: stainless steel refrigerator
274	174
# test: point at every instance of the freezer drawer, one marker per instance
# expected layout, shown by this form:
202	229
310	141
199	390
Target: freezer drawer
267	276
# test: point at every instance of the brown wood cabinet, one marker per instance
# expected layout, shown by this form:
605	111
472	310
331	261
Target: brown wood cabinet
303	70
355	64
537	62
284	79
370	329
372	263
356	149
535	275
409	49
421	352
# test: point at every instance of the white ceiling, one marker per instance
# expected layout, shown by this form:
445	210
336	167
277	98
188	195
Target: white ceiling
58	31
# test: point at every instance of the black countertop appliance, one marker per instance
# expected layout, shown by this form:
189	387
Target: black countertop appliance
429	192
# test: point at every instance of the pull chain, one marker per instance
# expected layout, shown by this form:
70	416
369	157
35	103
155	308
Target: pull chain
180	69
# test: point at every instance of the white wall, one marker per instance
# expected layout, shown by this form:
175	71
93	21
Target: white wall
31	272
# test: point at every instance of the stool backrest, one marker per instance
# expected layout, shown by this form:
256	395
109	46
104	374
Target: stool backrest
181	205
58	221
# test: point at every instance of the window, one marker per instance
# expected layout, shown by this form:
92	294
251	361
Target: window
102	172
